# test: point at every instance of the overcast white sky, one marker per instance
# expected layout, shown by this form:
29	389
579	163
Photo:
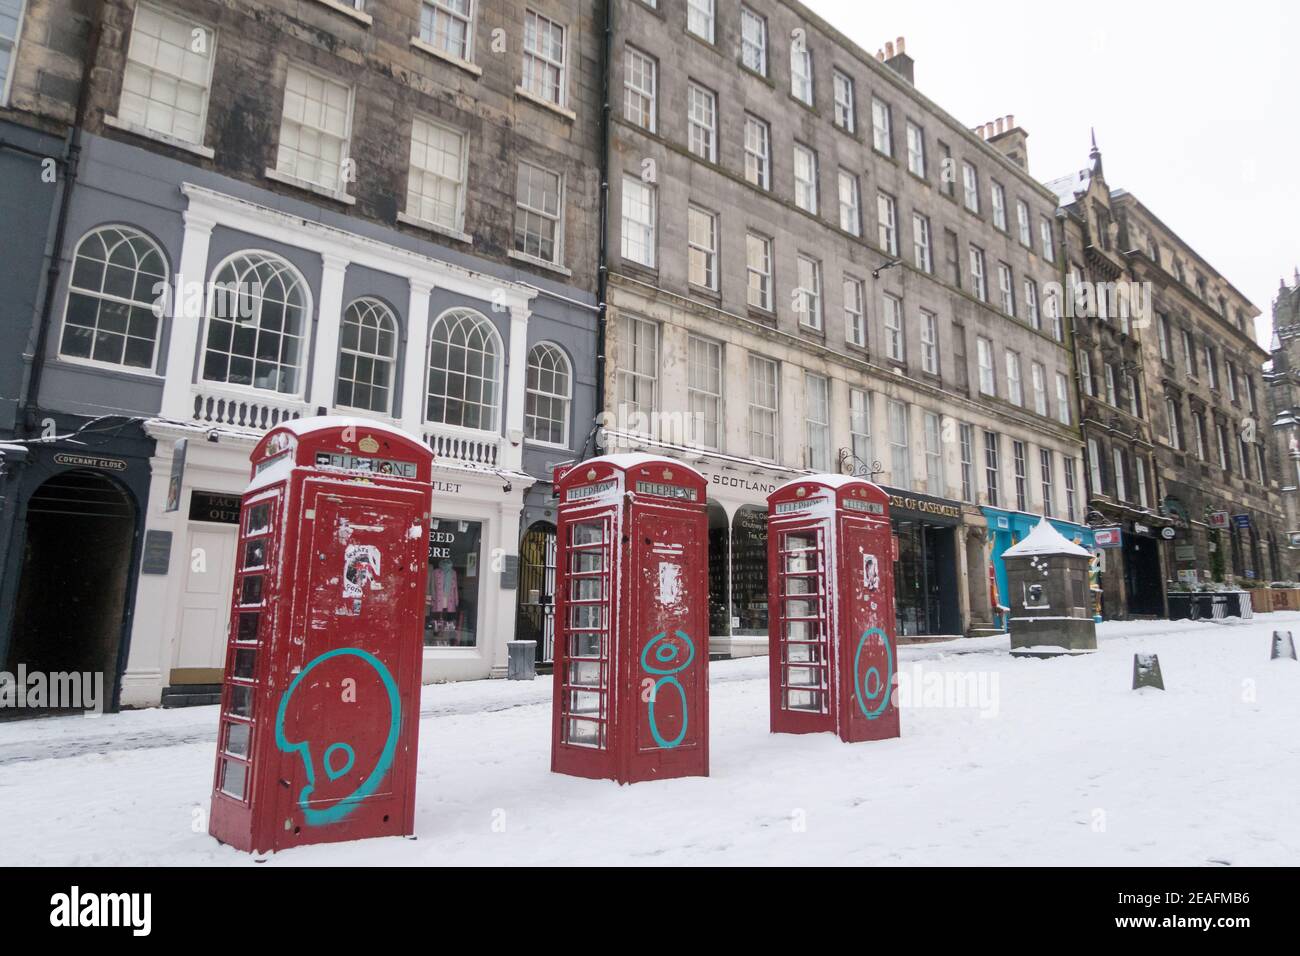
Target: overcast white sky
1196	105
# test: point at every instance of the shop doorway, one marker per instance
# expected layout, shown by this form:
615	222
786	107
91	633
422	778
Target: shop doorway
1142	577
925	580
535	613
70	611
749	572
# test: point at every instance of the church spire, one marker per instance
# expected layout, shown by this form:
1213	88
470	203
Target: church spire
1095	155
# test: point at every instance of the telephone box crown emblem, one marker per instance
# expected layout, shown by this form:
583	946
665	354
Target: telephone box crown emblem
591	474
368	445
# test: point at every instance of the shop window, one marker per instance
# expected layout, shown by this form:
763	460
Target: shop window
464	379
256	324
451	606
749	572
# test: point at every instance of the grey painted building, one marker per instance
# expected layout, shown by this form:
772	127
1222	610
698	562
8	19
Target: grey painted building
286	208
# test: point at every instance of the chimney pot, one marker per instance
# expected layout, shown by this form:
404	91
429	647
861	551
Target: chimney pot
880	55
1011	121
902	46
999	125
889	49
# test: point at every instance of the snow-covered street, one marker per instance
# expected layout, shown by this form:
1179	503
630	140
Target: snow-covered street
1055	763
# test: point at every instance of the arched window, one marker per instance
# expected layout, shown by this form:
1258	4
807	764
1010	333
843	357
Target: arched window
464	381
118	275
549	391
255	324
367	354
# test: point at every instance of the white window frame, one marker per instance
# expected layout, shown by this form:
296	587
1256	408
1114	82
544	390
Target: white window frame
764	388
1022	220
970	187
144	126
704	395
539	63
979	274
999	196
845	101
850	205
933	437
13	42
1038	380
898	415
443	11
1006	289
1045	235
929	342
763	271
855	316
462	316
557	218
915	149
756	61
860	444
639	196
758	162
702	122
701	19
1015	386
415	211
817	421
805	178
631	373
922	248
702	251
356	313
1064	414
892	320
887	222
640	88
801	72
988	382
563	399
281	171
1032	313
882	127
809	299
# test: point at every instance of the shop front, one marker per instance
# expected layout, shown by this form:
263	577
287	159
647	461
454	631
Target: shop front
926	583
177	652
1007	528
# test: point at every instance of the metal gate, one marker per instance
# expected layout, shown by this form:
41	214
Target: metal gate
535	617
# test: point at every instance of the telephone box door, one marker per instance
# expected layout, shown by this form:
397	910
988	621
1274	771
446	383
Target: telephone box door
870	659
803	669
669	646
345	717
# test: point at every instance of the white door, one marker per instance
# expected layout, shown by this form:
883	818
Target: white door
205	601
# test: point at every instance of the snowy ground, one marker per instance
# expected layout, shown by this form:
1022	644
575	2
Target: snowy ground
1064	766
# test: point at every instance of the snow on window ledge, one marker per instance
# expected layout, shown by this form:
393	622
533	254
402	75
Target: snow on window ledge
136	129
279	177
430	226
446	57
349	10
541	263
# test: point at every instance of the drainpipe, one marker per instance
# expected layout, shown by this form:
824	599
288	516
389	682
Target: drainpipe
71	158
602	272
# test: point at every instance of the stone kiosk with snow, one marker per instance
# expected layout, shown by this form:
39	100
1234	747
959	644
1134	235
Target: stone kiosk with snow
632	619
1047	584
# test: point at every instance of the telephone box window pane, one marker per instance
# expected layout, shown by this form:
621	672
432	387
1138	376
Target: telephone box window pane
245	664
248	625
585	674
801	630
584	645
259	519
589	617
809	700
241	701
801	608
587	589
234	778
451	608
250	589
804	676
237	737
804	654
585	534
583	733
586	562
255	553
799	585
586	702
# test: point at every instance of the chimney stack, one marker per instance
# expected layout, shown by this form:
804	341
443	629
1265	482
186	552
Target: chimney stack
1008	138
895	57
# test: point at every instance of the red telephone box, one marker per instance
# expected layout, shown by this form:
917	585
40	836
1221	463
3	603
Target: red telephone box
831	609
632	621
320	704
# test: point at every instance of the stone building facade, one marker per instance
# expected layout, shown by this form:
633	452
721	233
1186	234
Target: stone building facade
1176	423
813	266
1284	399
387	210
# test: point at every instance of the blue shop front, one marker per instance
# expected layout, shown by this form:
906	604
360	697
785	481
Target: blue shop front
1011	527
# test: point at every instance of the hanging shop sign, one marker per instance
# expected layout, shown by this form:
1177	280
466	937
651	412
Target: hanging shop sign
1219	519
1241	522
1140	528
1108	537
1168	534
1185	552
177	477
